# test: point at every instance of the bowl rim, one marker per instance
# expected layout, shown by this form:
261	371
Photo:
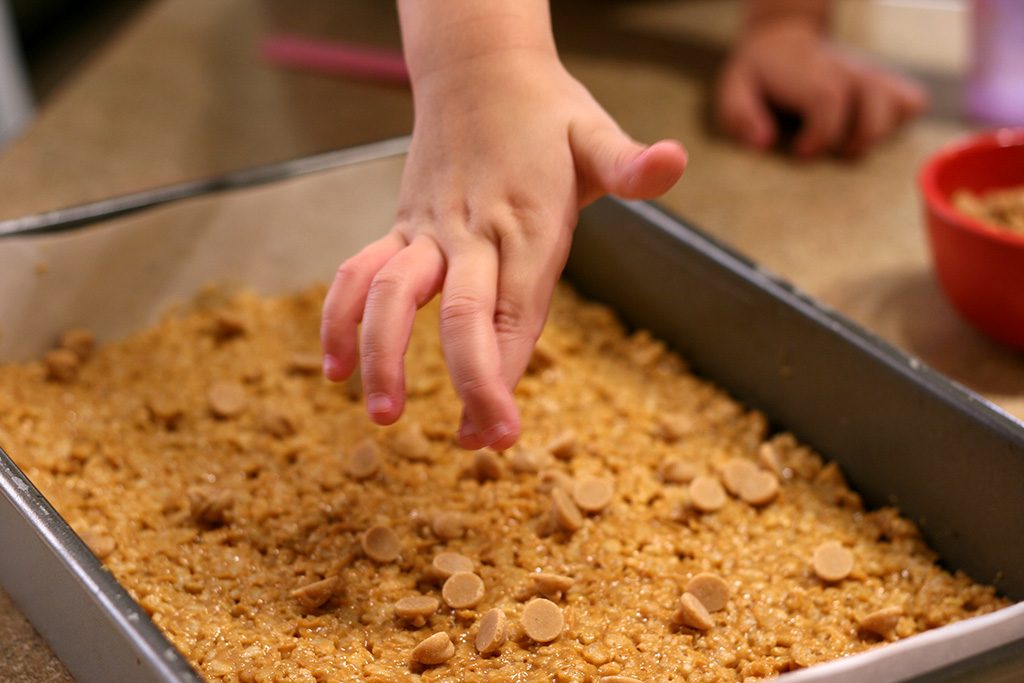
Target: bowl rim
940	203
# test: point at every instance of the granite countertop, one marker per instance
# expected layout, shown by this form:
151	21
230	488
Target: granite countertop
182	94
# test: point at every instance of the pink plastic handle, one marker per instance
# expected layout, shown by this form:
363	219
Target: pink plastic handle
339	59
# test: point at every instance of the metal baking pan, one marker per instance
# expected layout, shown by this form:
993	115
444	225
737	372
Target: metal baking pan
902	433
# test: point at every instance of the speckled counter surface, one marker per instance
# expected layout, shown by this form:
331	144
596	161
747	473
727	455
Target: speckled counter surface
182	94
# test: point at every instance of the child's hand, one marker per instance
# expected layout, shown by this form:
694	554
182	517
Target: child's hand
507	147
846	105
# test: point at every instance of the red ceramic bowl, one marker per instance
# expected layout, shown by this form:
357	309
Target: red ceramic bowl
980	268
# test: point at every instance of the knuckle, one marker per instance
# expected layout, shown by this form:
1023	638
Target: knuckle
511	319
459	309
387	284
347	272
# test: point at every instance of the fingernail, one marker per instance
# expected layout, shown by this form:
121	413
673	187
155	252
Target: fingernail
378	404
466	430
330	366
495	433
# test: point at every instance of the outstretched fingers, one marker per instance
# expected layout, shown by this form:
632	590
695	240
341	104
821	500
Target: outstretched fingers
405	283
346	299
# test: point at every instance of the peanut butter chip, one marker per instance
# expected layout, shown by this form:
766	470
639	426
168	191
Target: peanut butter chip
445	564
710	589
209	505
618	679
100	542
486	466
832	561
279	424
491	635
411	444
593	494
552	586
759	488
435	649
564	512
164	410
768	458
381	544
677	472
463	590
735	473
228	325
563	446
315	594
882	622
524	460
674	426
542	620
706	494
363	461
78	341
61	365
552	478
416	608
693	614
448	525
305	363
226	399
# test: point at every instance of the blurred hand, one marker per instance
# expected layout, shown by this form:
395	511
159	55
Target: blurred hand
846	105
506	148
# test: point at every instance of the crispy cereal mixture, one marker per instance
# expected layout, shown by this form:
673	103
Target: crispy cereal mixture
647	529
1002	209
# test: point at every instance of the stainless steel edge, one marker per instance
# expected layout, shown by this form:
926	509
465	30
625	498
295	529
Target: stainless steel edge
92	623
81	215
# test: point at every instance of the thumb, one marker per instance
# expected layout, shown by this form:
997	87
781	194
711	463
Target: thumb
609	161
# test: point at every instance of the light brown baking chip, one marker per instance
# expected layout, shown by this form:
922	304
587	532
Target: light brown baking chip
228	325
463	590
226	399
832	561
447	563
315	594
543	357
363	461
305	363
411	443
492	632
677	472
435	649
524	460
564	512
551	478
99	541
61	365
735	473
542	620
881	622
706	494
416	608
448	525
209	505
675	426
563	446
759	488
164	409
551	586
693	614
381	544
618	679
279	424
486	465
768	458
78	341
593	494
710	589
